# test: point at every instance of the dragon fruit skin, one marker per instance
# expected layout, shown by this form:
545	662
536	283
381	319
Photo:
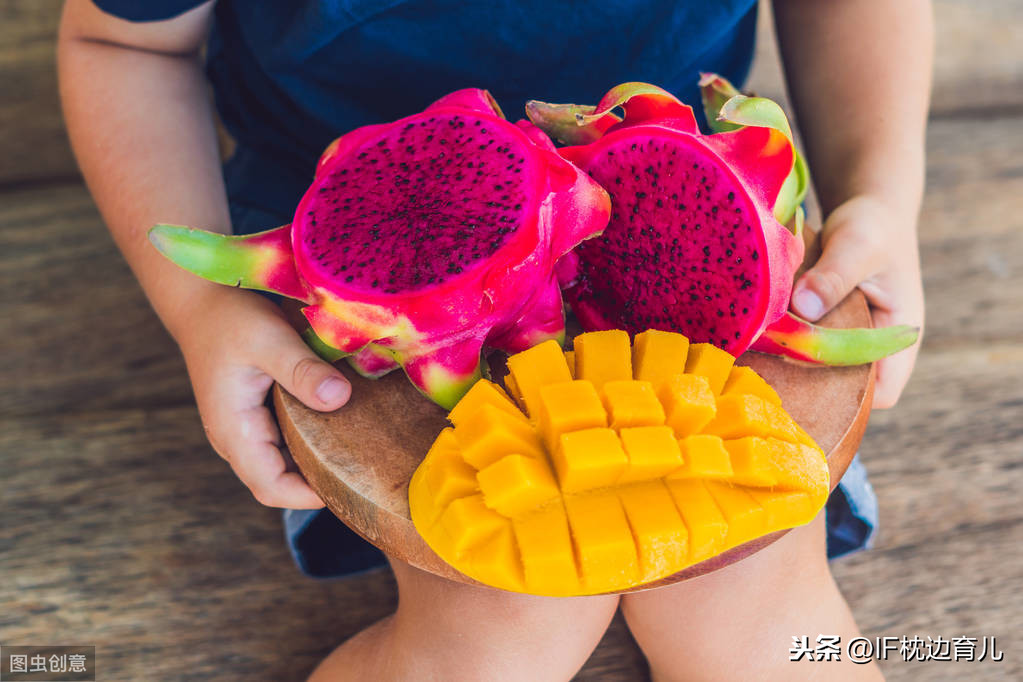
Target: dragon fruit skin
752	147
708	259
796	339
419	243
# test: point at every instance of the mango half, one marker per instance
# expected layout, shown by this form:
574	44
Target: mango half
612	466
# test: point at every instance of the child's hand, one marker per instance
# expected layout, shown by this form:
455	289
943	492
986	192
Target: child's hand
871	245
236	346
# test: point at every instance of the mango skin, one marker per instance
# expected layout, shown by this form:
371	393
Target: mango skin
605	481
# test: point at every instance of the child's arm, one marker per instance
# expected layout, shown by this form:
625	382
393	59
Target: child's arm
140	122
859	74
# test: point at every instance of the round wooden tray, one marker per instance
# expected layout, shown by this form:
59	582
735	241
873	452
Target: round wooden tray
359	459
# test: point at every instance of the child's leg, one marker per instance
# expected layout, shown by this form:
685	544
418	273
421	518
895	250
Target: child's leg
449	631
737	623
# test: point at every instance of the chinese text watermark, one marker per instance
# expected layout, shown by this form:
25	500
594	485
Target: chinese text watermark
47	663
908	648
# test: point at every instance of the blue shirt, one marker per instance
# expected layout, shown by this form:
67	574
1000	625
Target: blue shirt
292	75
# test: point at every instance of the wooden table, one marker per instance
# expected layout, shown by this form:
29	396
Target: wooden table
359	459
121	528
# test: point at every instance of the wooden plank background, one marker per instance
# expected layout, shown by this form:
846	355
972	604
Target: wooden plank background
120	528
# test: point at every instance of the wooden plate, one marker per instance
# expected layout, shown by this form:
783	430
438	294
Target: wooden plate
360	458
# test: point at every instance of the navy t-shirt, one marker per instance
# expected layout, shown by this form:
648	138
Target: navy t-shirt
292	75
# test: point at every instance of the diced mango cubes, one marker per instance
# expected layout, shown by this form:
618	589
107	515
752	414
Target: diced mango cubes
449	478
745	516
493	434
657	528
499	557
708	360
516	484
703	456
603	356
744	380
482	393
652	459
657	356
688	403
785	509
632	403
739	415
568	407
468	522
751	462
704	521
540	365
593	458
653	452
603	542
545	546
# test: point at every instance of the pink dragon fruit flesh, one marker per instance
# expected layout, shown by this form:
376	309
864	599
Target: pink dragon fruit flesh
419	243
697	241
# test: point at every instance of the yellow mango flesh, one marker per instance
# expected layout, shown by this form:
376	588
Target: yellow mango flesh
545	548
708	360
689	403
703	456
745	516
612	480
657	528
593	458
784	509
745	380
652	452
603	356
750	458
603	543
540	365
467	522
632	403
657	356
499	557
494	433
705	524
570	406
482	393
516	484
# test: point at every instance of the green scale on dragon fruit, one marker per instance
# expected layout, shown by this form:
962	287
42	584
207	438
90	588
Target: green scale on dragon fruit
419	243
697	241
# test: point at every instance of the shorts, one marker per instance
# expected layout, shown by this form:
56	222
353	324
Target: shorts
323	547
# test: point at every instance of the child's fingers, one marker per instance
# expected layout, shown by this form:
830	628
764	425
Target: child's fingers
850	255
302	373
893	372
262	469
242	431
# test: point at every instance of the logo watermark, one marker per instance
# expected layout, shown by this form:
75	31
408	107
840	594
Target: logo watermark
47	663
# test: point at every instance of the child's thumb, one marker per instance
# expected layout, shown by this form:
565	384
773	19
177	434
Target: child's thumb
848	258
304	375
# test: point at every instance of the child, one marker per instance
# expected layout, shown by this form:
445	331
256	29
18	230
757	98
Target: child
291	76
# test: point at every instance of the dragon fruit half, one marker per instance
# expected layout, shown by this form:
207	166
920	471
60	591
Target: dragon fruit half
420	242
697	241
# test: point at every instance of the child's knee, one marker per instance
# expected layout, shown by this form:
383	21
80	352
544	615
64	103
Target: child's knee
795	563
760	602
497	632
